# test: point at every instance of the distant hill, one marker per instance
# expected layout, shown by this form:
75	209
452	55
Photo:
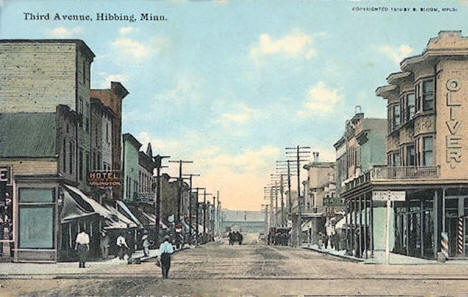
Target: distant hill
243	215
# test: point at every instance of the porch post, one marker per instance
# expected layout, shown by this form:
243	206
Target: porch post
421	229
347	233
435	219
360	226
355	208
371	224
365	225
443	210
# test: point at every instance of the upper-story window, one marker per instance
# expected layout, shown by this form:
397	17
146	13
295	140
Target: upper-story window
410	156
427	151
395	117
409	110
393	159
424	92
84	71
428	94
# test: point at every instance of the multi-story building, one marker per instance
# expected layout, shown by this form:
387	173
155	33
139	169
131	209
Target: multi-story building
131	147
112	98
47	81
146	168
425	149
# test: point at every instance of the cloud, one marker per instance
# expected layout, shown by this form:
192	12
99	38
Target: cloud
187	89
62	32
105	84
294	45
320	100
244	115
130	47
125	30
396	54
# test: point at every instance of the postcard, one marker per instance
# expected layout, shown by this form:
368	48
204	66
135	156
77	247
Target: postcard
233	148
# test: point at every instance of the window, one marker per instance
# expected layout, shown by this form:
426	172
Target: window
36	218
427	151
410	155
99	161
94	161
409	106
396	117
417	93
84	71
64	155
96	135
86	117
70	157
428	95
393	159
107	132
80	165
80	106
87	163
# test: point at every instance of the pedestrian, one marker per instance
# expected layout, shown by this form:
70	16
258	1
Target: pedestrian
122	245
165	251
240	237
82	246
104	244
145	244
130	239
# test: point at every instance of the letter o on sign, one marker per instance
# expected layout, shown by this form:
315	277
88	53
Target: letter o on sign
453	85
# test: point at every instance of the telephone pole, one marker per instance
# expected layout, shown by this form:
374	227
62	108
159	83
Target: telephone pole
300	152
179	187
196	213
204	210
280	168
157	200
190	176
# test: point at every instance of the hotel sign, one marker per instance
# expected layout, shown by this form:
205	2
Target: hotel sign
104	178
453	140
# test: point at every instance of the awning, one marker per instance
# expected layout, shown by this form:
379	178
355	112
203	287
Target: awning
78	205
119	220
74	210
128	213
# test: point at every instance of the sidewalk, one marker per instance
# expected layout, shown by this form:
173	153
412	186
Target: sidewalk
8	270
379	257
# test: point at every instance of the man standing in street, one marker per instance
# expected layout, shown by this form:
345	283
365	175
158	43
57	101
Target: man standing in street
122	245
104	244
82	246
165	251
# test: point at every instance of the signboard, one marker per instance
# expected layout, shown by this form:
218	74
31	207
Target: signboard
104	178
5	175
389	195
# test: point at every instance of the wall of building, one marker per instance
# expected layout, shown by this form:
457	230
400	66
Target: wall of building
37	76
130	170
451	143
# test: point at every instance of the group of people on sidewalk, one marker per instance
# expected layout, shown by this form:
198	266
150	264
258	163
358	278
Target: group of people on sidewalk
166	249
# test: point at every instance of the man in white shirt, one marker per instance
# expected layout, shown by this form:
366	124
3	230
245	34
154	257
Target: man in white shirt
122	245
165	251
82	246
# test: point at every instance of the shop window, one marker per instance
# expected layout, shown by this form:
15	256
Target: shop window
36	218
427	151
428	95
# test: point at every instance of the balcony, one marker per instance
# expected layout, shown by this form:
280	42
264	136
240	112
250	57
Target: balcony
403	172
381	172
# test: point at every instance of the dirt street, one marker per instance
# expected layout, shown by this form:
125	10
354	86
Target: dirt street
218	269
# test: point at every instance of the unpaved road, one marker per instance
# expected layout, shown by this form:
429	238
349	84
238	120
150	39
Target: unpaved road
218	269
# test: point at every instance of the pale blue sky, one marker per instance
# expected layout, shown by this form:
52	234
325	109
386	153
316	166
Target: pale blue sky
229	84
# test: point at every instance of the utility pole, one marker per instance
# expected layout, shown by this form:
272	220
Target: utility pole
265	207
268	191
300	152
190	203
280	168
204	210
196	213
157	200
179	188
213	217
